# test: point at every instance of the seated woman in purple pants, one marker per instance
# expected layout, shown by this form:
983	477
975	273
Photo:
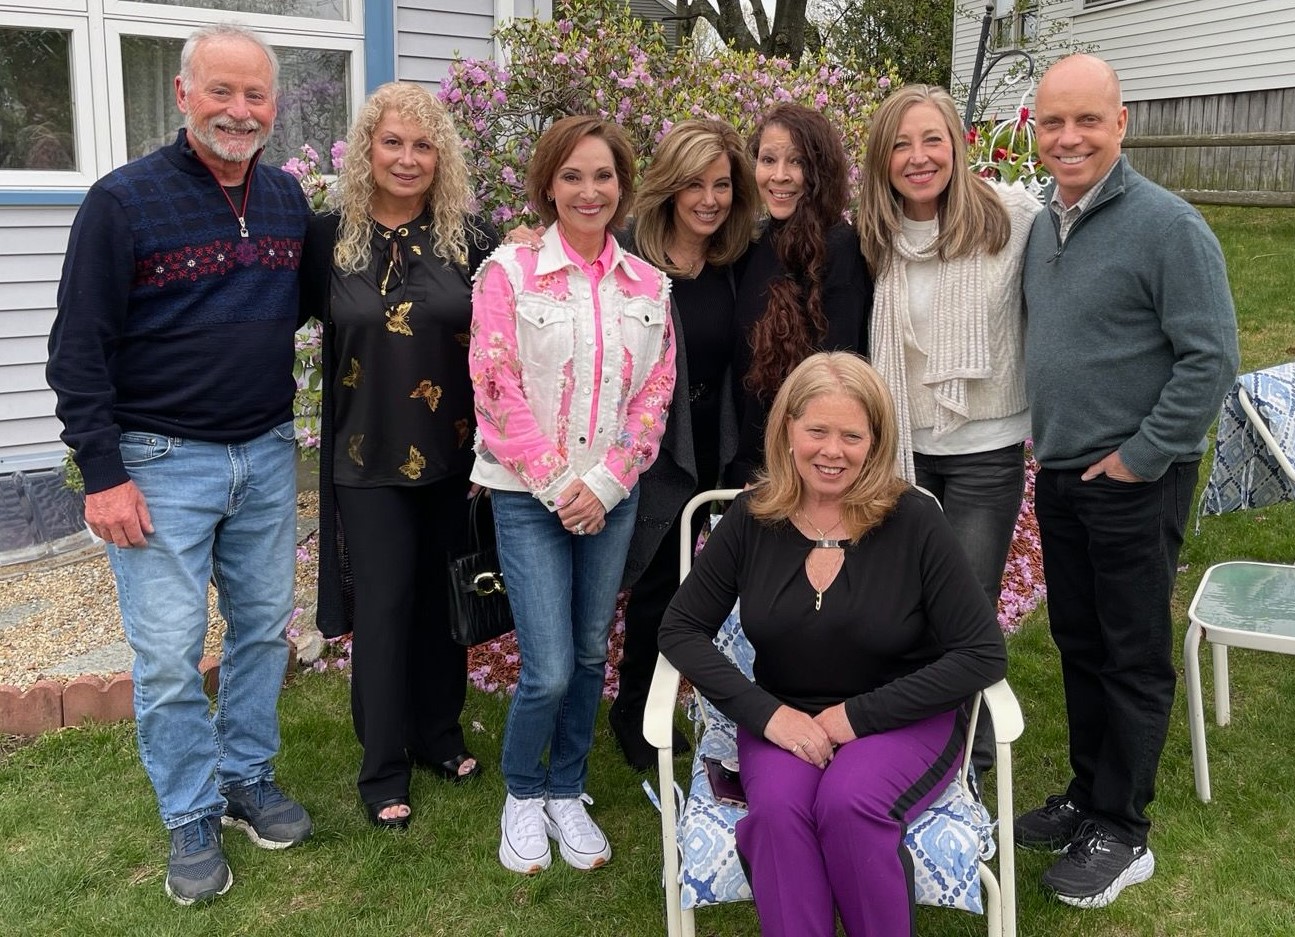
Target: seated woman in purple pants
870	632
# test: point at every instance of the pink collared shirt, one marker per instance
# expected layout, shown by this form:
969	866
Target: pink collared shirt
572	369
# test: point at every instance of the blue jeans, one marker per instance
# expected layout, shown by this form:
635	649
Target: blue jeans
222	512
562	589
981	495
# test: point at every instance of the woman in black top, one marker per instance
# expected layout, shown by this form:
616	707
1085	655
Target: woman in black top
870	632
694	215
397	435
805	287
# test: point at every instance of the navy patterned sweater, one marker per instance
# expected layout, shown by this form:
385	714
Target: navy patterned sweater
169	320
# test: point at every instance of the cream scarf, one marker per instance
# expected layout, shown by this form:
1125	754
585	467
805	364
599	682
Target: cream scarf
959	340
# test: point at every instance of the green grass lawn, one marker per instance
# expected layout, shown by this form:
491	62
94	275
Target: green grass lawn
82	851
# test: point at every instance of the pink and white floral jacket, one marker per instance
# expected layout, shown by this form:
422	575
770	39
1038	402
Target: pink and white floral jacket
564	389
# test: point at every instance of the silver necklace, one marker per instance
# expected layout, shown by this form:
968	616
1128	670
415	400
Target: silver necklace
823	541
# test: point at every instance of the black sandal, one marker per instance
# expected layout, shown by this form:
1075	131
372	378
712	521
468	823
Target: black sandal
389	823
449	770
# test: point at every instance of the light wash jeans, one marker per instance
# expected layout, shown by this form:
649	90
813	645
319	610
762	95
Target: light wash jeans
222	512
562	589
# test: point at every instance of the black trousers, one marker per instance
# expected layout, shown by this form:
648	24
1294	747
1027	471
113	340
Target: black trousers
651	595
647	603
1110	556
408	677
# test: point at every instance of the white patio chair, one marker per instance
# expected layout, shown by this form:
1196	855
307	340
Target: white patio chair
1242	603
962	878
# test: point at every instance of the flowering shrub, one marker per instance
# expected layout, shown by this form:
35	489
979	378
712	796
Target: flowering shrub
1007	150
607	61
309	171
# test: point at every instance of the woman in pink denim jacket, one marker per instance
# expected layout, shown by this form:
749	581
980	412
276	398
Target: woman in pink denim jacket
572	364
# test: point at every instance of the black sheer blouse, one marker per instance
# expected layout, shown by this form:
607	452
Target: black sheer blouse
402	399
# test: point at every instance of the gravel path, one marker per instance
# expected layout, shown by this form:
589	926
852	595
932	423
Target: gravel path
52	613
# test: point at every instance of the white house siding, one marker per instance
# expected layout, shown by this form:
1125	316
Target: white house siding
1170	48
32	242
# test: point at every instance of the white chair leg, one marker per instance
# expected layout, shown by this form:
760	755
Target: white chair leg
1222	686
992	899
1196	709
1006	841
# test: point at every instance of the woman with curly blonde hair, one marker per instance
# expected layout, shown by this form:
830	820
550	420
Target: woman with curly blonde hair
389	276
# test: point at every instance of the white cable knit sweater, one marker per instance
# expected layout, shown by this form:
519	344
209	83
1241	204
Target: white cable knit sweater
1000	392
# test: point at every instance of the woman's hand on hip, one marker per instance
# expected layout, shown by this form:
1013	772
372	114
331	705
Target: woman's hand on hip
800	734
836	724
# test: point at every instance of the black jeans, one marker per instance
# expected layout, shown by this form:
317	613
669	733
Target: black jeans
981	496
408	677
1110	556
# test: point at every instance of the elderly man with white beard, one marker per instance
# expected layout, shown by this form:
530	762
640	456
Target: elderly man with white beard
171	359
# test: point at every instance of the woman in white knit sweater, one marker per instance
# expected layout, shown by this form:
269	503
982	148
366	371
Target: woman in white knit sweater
947	329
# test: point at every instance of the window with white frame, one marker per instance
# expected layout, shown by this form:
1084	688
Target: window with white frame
1016	23
86	85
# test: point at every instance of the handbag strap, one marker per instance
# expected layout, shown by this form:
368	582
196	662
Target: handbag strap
478	514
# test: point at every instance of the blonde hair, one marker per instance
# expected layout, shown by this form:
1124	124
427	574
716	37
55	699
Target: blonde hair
868	501
684	153
449	196
972	218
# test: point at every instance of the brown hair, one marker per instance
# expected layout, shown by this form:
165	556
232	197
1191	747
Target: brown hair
556	145
779	487
683	154
793	323
972	218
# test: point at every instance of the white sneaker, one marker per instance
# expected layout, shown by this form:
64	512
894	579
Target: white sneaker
581	843
523	845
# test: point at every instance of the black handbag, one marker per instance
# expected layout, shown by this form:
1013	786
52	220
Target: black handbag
479	609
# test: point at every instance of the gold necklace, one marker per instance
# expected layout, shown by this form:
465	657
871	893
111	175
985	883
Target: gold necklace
692	269
824	543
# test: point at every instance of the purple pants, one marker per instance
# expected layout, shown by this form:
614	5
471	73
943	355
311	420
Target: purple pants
816	840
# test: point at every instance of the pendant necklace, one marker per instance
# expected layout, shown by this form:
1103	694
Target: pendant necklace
246	250
693	268
823	543
823	540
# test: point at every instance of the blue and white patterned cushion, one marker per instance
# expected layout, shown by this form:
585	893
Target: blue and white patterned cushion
945	841
1245	474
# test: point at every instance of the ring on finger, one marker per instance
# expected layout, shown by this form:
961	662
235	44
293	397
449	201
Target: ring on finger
795	748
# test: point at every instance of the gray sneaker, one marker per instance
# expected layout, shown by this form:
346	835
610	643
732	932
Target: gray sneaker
197	869
270	818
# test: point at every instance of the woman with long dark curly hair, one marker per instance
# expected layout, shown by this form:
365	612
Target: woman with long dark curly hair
806	287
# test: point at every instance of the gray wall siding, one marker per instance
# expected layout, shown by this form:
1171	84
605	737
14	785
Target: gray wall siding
430	33
32	242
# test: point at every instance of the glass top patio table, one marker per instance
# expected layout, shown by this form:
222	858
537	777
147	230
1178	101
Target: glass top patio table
1248	597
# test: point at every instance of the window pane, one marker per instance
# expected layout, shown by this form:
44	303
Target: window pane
319	9
313	97
36	100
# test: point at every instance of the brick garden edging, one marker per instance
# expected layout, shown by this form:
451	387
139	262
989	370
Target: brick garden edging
48	705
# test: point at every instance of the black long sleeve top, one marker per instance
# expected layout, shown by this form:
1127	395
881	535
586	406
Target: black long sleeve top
847	307
904	631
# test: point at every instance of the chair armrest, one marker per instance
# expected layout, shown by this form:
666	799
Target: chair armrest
1001	702
663	697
